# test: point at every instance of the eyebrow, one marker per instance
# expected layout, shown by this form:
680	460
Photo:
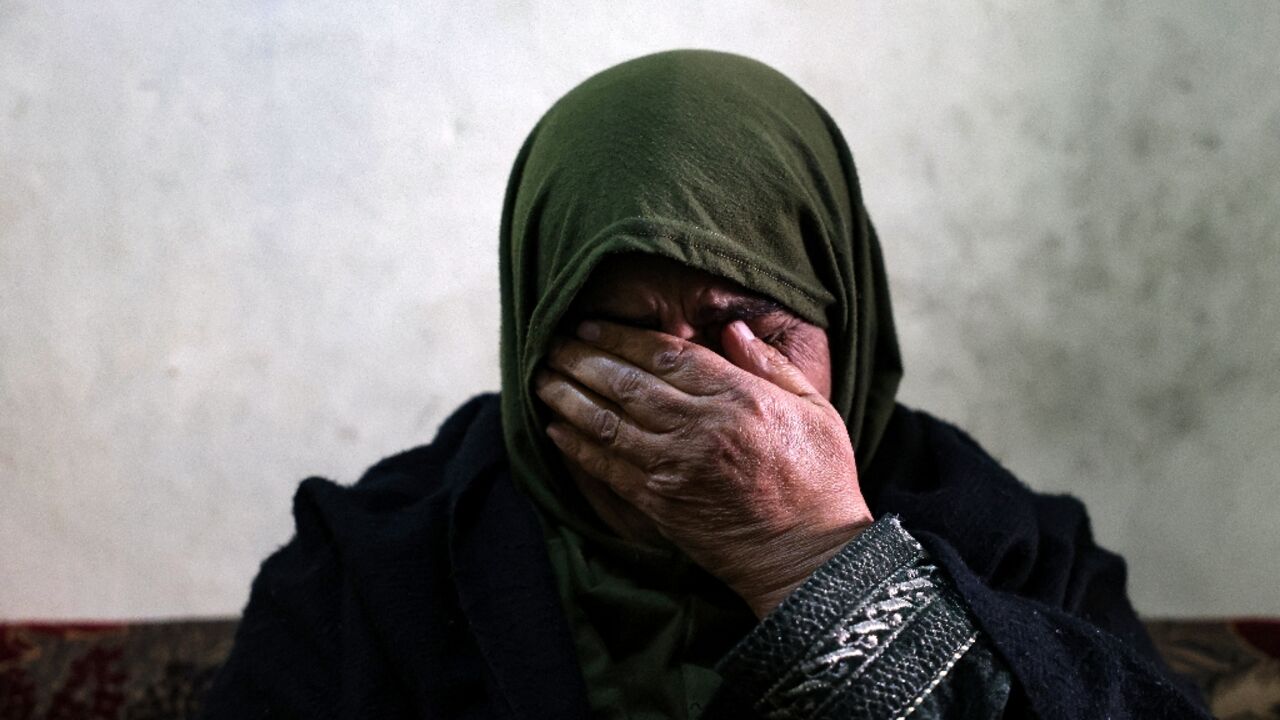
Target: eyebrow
745	308
720	313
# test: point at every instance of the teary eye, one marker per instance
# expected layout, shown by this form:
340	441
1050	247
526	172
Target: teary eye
776	338
776	330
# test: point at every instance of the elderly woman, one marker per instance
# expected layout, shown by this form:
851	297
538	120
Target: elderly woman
695	495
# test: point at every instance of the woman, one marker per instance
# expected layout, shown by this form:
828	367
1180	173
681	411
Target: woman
695	495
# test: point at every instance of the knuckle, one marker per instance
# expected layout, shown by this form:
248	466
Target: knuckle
628	385
670	357
566	361
755	405
569	445
553	391
653	485
669	414
721	444
727	450
604	425
648	503
660	483
597	465
685	427
656	463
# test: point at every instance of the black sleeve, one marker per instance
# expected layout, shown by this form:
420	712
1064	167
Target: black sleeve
293	650
1050	602
886	629
1084	654
877	632
310	643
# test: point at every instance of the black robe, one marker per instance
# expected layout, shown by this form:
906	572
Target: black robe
424	590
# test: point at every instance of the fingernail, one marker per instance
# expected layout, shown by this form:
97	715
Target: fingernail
555	433
589	331
743	332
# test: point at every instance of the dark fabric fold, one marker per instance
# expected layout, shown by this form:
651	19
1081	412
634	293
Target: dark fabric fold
425	590
1052	602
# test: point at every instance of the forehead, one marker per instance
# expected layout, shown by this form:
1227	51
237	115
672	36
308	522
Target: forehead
638	279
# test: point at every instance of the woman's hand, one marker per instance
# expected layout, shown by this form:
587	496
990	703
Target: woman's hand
740	461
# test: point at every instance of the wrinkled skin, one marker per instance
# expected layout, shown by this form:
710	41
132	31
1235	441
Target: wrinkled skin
678	421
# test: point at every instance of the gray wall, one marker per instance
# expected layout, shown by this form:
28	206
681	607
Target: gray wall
242	245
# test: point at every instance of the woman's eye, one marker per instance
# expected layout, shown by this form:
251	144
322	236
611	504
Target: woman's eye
775	338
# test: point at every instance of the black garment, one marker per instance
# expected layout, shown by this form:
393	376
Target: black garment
1049	599
425	591
877	631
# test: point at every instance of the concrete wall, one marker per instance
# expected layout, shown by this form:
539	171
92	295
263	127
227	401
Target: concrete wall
242	245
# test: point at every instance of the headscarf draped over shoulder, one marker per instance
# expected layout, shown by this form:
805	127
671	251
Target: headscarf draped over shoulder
725	165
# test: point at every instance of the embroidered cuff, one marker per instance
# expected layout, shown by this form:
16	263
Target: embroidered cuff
868	635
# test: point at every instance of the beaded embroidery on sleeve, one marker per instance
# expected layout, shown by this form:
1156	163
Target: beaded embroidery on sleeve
869	635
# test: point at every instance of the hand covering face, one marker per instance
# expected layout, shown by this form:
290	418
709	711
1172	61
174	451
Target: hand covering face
723	164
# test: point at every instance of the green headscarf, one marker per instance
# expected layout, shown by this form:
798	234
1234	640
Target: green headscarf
723	164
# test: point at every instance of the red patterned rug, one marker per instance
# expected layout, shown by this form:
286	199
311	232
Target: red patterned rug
153	670
138	671
1236	663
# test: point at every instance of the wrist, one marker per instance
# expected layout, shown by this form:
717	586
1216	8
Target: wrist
794	560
